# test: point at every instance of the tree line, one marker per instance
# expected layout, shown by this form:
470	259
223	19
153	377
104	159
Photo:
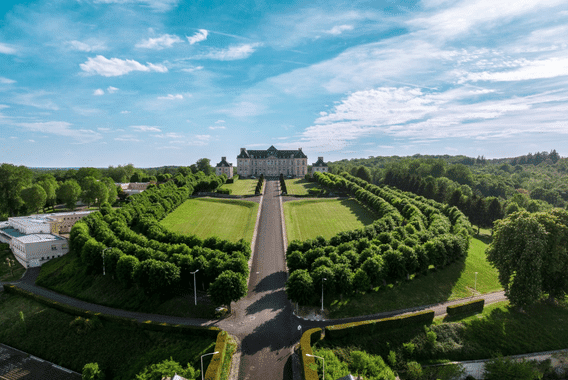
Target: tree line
410	234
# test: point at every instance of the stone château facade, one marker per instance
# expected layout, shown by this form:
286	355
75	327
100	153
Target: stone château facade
272	162
224	167
319	166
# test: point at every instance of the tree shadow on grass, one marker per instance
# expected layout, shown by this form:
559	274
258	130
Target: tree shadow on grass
363	214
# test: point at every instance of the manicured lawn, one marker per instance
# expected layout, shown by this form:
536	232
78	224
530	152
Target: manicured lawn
453	282
299	186
227	219
309	218
241	186
5	273
121	351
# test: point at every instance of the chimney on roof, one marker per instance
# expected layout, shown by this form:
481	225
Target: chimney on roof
243	150
320	158
300	149
223	158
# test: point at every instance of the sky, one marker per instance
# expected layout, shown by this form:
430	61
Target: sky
167	82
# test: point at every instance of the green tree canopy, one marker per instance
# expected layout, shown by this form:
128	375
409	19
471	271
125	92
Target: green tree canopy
13	179
69	193
49	184
168	368
530	253
34	197
91	371
228	287
300	286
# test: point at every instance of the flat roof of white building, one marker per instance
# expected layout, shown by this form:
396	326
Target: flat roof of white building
38	238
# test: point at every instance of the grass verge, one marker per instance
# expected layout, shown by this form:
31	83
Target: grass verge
7	275
310	218
121	351
205	217
299	186
66	275
230	351
241	186
453	282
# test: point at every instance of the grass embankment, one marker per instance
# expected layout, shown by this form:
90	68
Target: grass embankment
299	186
121	351
204	217
241	186
452	282
67	276
5	272
498	331
307	219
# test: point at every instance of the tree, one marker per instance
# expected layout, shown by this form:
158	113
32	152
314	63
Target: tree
69	193
125	269
12	180
529	251
204	165
94	192
91	371
34	197
228	287
49	184
156	276
300	286
167	368
112	189
361	281
364	173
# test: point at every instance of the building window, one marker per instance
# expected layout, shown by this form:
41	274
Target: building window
54	248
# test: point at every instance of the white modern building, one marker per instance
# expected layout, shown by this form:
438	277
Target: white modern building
34	240
132	188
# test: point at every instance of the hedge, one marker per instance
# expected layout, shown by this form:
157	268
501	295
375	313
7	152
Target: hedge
309	338
147	325
225	191
472	307
215	367
372	327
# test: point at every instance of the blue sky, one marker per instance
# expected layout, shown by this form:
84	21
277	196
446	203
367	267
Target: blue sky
166	82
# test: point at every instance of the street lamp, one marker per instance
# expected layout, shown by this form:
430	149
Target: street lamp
194	287
104	250
322	280
319	357
475	289
211	353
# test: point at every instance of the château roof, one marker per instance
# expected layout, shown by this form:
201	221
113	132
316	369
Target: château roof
272	152
224	163
320	163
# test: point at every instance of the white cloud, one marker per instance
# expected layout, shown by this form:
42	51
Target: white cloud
36	99
117	67
217	127
86	47
145	128
198	37
2	106
124	112
170	135
111	90
6	81
61	128
7	49
538	69
156	5
104	129
245	109
219	121
338	29
195	140
98	92
171	97
127	138
162	42
232	53
32	141
192	69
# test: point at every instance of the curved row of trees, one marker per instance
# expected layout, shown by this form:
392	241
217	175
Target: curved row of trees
410	234
139	251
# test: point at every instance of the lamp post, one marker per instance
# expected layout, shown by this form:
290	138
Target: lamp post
319	357
475	288
211	353
104	250
194	286
322	280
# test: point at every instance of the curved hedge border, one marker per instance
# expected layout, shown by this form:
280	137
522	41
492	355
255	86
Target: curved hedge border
370	327
309	338
147	325
473	307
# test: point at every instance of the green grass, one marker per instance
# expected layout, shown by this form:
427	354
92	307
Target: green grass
227	219
299	186
307	219
453	282
67	276
121	351
5	273
241	186
498	331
